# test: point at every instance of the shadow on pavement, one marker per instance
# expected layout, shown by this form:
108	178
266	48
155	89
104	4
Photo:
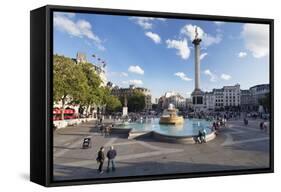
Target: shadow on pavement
125	169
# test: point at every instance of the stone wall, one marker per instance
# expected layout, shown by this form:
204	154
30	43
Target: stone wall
70	122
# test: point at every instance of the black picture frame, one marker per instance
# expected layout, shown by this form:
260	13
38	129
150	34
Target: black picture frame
41	132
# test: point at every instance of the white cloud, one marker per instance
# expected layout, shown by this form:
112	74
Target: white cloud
203	55
145	22
242	54
124	74
256	37
182	76
119	74
81	28
210	40
225	76
154	36
133	82
136	69
182	47
207	39
212	76
219	23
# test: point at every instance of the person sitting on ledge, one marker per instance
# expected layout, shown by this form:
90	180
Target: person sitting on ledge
204	133
199	137
214	126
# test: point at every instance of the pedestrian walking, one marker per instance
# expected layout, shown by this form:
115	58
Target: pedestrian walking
261	125
245	121
265	127
102	129
100	119
111	154
108	130
100	159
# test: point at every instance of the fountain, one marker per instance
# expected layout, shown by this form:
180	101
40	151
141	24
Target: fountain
170	116
171	127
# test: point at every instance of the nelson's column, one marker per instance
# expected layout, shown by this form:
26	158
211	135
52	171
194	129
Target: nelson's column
197	94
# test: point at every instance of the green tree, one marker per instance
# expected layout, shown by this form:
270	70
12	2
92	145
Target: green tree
69	82
92	96
265	102
112	103
136	102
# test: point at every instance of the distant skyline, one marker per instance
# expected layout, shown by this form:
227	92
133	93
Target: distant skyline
158	54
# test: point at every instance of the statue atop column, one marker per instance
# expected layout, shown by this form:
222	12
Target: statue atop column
196	33
196	40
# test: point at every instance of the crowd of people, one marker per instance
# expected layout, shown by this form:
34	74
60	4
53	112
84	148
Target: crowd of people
104	129
219	120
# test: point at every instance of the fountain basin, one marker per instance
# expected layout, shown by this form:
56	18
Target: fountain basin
171	120
173	133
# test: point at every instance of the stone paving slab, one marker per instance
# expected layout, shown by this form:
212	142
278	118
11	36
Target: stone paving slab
234	148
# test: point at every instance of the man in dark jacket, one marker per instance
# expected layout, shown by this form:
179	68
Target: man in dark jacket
111	154
100	159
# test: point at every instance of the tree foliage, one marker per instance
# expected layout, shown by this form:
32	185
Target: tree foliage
91	97
68	80
113	103
136	102
80	84
265	102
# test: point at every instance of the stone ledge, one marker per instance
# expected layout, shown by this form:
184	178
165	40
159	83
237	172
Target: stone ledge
181	139
161	137
70	122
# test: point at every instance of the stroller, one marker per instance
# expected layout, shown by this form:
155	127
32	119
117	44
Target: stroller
87	143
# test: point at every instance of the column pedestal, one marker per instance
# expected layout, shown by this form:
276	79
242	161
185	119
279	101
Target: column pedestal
125	111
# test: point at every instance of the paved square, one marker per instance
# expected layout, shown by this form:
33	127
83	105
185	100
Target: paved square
236	147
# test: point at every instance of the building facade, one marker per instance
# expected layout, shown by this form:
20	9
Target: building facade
231	96
127	92
218	95
226	97
246	100
258	92
188	103
209	100
172	98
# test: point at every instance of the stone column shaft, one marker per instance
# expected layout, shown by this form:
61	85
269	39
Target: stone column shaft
197	66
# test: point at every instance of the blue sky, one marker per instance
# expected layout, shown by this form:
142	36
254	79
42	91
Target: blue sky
157	53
